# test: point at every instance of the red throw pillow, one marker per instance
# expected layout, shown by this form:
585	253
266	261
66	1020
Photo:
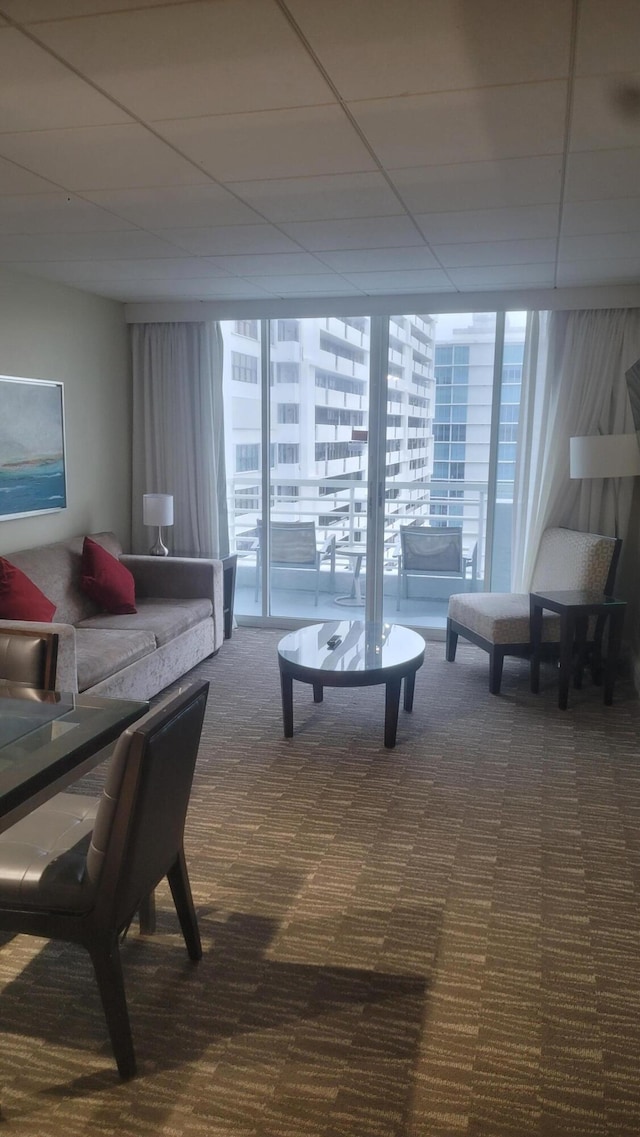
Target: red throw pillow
20	598
106	580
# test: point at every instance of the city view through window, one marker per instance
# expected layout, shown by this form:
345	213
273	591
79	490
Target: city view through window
439	447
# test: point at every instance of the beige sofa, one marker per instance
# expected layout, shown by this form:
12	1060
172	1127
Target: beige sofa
179	619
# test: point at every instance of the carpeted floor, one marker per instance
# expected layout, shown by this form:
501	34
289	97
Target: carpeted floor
436	940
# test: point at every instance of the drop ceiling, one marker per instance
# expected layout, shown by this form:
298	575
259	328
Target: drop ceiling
224	150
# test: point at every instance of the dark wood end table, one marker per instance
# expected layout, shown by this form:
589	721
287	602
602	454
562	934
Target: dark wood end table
574	609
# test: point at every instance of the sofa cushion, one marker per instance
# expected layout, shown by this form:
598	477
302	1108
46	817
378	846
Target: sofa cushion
105	580
164	618
55	569
20	598
101	653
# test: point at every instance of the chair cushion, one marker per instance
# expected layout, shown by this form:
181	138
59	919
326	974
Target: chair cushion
163	618
43	857
500	617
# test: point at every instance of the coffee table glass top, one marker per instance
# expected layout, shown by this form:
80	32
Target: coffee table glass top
362	647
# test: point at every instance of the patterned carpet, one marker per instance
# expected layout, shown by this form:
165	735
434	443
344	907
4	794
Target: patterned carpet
436	940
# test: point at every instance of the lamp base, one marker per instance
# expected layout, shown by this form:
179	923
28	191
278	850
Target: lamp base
159	549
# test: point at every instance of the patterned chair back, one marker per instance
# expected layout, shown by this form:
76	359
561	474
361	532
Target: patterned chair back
570	560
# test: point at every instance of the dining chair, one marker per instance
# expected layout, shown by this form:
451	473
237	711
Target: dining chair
29	657
428	551
78	869
499	622
294	545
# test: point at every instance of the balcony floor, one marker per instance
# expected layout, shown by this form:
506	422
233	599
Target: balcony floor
298	604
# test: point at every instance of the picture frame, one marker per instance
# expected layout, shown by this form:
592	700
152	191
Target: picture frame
32	447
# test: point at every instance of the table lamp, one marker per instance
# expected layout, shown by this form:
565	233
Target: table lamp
157	510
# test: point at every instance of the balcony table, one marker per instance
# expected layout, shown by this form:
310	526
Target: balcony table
49	739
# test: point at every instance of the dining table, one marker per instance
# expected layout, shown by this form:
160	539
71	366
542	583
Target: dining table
49	739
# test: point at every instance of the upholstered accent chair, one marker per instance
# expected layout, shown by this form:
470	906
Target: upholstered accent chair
499	622
79	868
428	551
294	545
29	658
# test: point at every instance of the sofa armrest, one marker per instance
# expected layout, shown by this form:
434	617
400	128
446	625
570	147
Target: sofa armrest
67	669
180	578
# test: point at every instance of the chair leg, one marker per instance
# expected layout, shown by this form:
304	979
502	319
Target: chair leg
181	891
452	643
105	956
496	659
147	915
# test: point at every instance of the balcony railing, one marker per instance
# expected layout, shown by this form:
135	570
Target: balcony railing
338	506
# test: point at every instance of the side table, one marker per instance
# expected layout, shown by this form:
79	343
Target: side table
229	566
574	609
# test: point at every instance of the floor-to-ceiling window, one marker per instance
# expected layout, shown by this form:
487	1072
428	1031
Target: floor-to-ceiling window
298	440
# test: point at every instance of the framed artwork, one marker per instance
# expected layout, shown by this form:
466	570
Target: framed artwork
32	452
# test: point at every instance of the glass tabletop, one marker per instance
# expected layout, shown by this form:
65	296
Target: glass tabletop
361	647
47	736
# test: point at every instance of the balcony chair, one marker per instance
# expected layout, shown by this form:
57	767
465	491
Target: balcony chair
78	869
294	545
29	658
499	622
429	551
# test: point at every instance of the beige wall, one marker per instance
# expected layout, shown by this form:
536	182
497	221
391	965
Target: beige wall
49	331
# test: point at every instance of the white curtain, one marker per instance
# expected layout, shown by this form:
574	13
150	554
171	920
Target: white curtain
573	385
178	434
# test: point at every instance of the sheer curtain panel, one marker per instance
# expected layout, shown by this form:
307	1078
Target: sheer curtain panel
573	385
178	433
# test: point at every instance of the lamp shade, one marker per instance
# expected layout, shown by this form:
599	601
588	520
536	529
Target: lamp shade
157	509
604	456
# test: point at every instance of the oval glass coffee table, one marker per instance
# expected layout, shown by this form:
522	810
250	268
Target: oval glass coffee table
365	654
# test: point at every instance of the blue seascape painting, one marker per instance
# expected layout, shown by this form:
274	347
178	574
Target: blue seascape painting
32	465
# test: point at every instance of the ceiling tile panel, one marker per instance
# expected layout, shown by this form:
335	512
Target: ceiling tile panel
160	268
232	239
55	213
380	260
322	198
608	246
504	276
480	185
602	174
487	253
374	233
307	285
15	180
39	93
622	270
373	48
599	120
29	10
608	37
193	59
429	280
82	246
490	224
274	264
465	126
175	206
99	157
272	144
620	215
